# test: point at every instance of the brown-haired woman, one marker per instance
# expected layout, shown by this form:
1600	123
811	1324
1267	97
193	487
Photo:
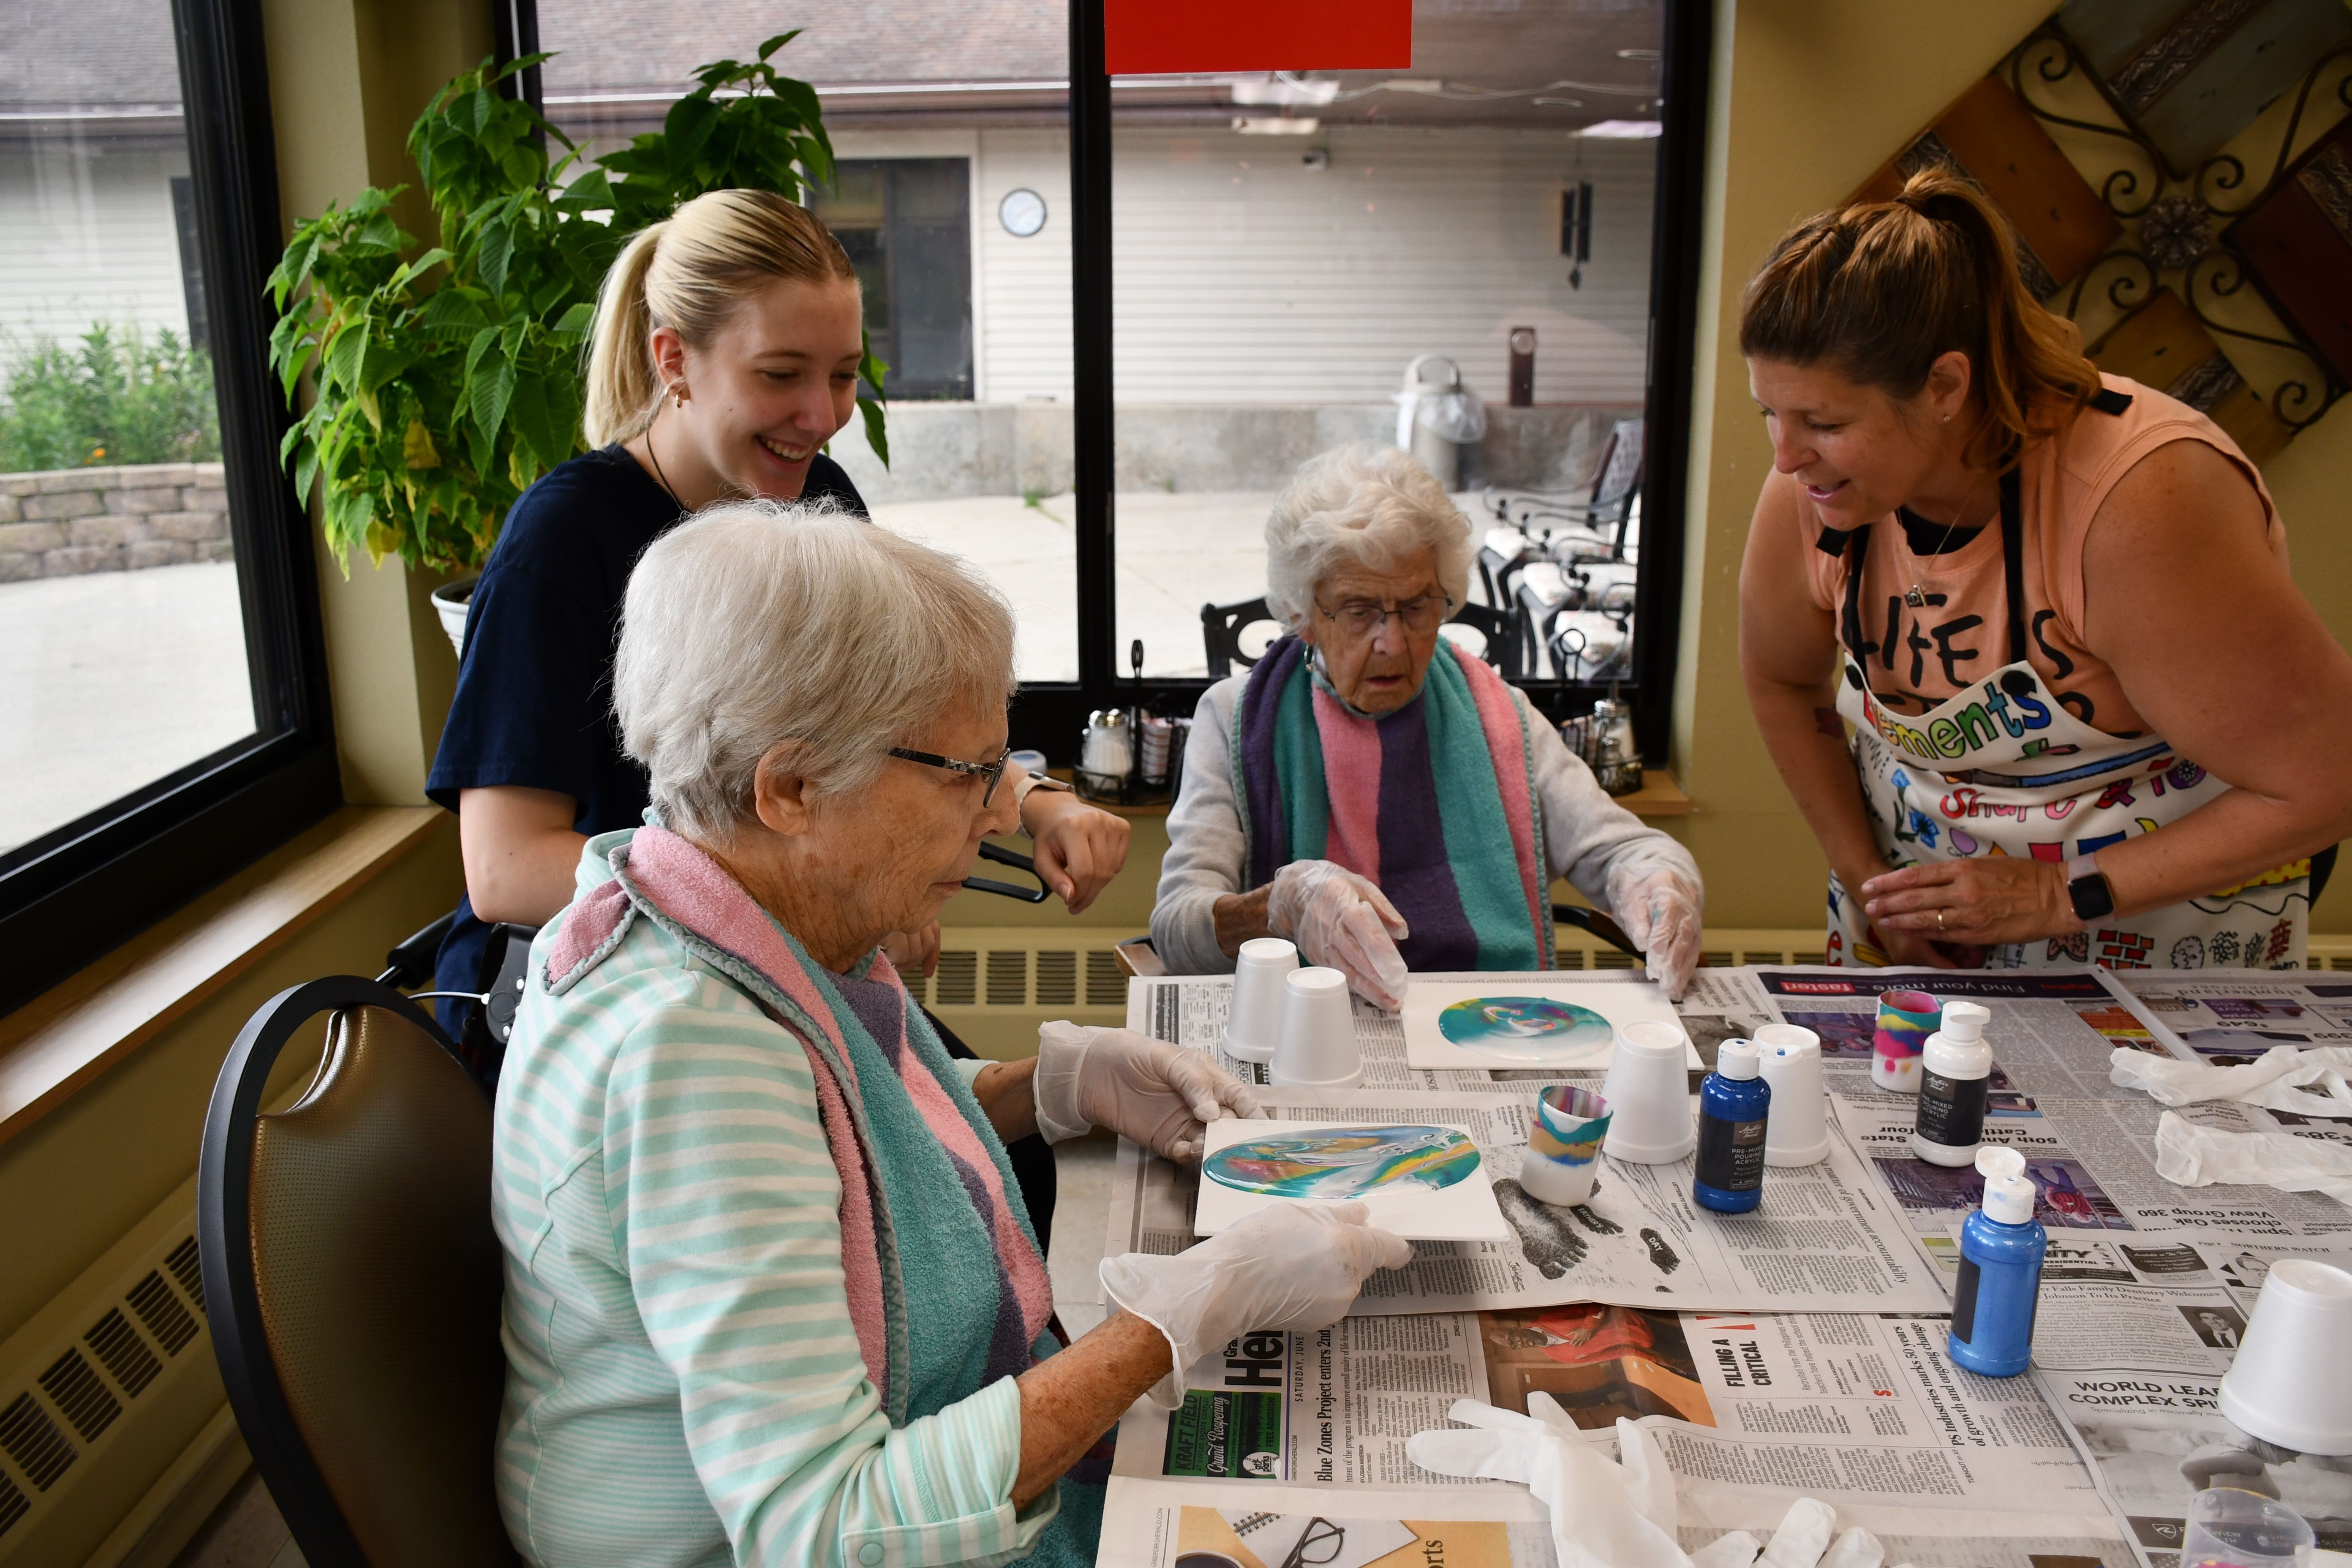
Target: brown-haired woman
724	357
2093	719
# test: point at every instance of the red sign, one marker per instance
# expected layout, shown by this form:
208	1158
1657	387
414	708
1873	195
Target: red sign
1143	37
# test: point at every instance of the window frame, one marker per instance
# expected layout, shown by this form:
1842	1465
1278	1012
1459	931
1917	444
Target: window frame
83	888
1049	716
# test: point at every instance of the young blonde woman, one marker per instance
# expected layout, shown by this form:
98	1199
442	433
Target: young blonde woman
724	358
2093	718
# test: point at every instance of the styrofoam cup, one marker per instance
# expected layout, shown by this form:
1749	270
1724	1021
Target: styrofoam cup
1564	1145
1317	1048
2229	1527
1799	1133
1648	1091
1253	1022
2291	1381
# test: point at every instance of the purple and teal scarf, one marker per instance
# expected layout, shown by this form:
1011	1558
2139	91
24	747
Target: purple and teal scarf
1434	803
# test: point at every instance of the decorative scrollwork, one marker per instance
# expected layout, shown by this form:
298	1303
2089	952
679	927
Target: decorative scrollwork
2222	273
2054	59
2127	291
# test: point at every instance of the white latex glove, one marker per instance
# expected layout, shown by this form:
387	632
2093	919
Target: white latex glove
1290	1269
1660	909
2275	1081
1157	1094
2194	1156
1342	921
1618	1515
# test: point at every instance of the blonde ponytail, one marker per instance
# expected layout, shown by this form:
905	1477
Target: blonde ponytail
690	273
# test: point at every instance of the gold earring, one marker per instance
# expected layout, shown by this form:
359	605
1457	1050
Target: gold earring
678	397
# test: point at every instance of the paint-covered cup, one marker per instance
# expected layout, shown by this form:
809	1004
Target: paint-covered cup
1906	1019
1564	1145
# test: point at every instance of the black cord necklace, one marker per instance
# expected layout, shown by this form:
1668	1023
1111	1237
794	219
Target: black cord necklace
659	477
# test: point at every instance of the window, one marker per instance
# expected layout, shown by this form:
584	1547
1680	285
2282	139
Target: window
1120	312
935	127
161	713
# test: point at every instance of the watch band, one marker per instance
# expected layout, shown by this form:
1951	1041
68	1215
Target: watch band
2088	890
1036	782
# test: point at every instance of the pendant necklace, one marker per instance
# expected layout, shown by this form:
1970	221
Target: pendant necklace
1915	597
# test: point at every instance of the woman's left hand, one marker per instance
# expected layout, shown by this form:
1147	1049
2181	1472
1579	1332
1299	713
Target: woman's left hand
1080	849
1976	903
1161	1096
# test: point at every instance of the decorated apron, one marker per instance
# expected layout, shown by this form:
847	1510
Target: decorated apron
2003	768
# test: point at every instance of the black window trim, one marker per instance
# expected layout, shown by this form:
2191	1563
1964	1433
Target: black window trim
68	897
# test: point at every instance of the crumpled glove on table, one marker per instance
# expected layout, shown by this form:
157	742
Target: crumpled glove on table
1660	910
1623	1514
1160	1095
1293	1269
1342	921
2194	1156
2274	1081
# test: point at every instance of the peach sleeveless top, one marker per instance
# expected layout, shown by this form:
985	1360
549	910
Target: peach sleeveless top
1917	659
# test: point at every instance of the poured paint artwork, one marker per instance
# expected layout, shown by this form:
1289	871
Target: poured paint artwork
1530	1028
1344	1161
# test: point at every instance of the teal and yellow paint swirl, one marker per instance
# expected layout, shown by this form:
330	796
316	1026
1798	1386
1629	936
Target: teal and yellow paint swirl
1344	1161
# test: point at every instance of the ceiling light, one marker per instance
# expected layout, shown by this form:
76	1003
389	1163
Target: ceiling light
1622	129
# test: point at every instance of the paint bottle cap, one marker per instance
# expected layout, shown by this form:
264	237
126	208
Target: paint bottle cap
1964	1022
1739	1060
2009	1193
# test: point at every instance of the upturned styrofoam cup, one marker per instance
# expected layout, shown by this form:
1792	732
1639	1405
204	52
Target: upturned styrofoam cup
1564	1145
1254	1020
1648	1091
2291	1381
1317	1048
1799	1133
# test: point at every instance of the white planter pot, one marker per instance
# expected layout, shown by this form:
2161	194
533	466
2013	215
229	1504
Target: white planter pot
451	602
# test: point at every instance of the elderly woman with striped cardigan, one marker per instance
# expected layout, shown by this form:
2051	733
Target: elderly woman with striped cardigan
772	1294
1389	806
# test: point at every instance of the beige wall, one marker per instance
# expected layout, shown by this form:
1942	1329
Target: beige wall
1810	96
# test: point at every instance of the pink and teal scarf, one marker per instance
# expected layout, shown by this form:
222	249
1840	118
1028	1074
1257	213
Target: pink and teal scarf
1434	804
902	1128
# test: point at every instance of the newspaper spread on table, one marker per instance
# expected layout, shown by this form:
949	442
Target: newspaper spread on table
2092	1458
1827	1236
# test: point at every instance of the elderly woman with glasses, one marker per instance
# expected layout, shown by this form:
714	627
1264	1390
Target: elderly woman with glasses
771	1294
1385	803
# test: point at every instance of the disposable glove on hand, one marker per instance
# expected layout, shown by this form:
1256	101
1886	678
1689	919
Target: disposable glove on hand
1342	921
1660	910
1292	1268
1618	1515
1157	1094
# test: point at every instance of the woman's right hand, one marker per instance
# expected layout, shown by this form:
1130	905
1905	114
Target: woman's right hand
1291	1269
1342	921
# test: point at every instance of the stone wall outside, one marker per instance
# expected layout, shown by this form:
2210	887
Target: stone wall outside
68	522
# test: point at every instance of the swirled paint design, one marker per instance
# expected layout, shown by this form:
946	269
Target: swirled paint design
1524	1028
1344	1161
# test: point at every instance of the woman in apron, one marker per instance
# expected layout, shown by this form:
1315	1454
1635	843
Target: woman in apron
2021	638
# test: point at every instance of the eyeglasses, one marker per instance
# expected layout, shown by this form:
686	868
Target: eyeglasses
992	772
1362	618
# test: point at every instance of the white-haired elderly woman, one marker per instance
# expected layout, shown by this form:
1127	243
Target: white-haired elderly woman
1384	803
772	1294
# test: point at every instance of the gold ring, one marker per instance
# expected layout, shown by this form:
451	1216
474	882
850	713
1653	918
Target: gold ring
1939	921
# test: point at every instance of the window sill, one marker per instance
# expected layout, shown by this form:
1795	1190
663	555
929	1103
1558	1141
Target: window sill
69	1034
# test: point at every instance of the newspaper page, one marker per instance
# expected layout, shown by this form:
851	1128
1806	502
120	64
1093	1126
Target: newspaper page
2130	1347
2232	1016
1826	1238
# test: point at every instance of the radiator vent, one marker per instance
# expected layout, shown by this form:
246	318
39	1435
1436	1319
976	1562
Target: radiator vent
123	1354
28	1436
13	1504
188	1271
1106	981
1057	979
79	1396
957	984
162	1313
1008	978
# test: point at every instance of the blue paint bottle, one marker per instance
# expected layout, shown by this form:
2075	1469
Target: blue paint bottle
1734	1104
2001	1270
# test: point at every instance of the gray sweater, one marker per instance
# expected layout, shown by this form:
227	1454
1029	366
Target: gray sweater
1586	835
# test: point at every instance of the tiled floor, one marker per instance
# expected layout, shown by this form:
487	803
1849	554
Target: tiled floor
246	1531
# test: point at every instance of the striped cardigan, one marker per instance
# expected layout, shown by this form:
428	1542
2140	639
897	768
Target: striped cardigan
684	1381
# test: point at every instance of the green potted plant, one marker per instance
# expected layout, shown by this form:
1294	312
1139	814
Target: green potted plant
447	379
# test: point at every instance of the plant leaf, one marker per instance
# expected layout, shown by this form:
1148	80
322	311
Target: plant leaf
492	387
778	42
877	437
496	249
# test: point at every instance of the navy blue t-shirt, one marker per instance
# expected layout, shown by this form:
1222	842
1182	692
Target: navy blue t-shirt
534	704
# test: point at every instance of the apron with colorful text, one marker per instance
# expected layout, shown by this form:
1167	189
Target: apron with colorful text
2003	768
